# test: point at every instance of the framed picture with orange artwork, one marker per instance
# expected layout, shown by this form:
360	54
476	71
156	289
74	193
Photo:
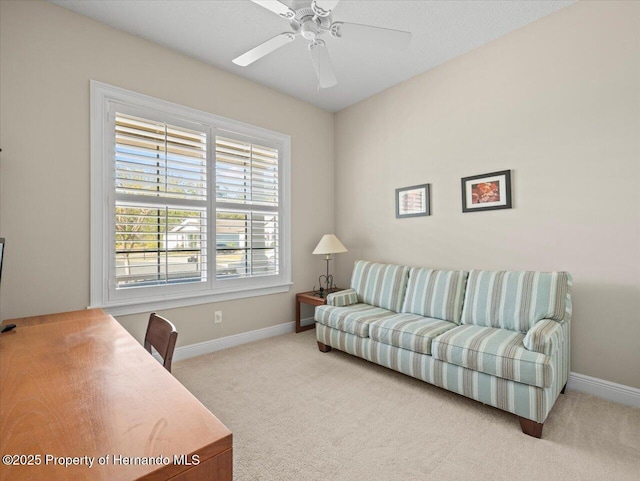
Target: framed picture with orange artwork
487	191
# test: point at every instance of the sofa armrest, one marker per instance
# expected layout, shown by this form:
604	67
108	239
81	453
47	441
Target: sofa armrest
544	337
342	298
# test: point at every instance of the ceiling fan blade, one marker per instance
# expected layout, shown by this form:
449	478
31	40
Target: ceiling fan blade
386	37
276	7
263	49
322	64
323	8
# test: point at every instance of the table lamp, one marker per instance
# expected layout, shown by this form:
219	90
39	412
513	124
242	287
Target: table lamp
329	244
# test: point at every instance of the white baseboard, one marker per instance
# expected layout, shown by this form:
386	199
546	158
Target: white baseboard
577	382
214	345
608	390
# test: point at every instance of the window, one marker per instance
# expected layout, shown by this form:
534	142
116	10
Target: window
160	212
187	207
246	209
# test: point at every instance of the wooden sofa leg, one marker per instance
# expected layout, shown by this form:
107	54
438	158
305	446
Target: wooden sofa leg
323	347
563	389
531	428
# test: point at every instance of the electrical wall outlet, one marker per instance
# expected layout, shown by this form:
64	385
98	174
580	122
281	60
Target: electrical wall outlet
218	317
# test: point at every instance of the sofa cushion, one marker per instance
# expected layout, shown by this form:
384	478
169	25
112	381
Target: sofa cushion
353	319
381	285
516	300
498	352
434	293
408	331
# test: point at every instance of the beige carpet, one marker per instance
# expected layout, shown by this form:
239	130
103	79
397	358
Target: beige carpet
300	415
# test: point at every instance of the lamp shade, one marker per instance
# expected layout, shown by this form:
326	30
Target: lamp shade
329	244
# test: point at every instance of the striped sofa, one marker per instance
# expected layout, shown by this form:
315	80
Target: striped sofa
501	338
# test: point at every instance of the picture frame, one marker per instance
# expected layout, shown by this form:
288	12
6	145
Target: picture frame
490	191
413	201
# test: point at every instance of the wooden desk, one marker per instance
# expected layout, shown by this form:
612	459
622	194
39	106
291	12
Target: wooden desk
78	385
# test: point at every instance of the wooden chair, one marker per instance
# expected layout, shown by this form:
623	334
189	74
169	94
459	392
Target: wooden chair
162	335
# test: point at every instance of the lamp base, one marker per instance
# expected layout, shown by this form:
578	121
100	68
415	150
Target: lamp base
325	282
326	285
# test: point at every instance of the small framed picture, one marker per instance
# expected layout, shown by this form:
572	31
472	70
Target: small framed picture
487	191
412	201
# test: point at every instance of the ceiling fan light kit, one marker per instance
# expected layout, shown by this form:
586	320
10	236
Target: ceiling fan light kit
312	22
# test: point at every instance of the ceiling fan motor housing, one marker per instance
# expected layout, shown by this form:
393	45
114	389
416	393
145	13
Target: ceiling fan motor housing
309	29
309	24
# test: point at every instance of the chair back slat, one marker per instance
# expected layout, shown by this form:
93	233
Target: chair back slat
162	335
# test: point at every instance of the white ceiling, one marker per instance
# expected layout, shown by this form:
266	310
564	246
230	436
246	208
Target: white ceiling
217	31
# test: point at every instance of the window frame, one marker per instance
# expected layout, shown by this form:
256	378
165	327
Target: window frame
103	198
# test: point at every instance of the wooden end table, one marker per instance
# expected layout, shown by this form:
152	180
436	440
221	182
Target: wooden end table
313	300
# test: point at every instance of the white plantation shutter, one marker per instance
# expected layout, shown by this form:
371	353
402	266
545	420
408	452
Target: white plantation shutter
247	201
174	189
246	173
160	210
158	159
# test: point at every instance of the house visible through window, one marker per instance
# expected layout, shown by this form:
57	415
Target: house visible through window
246	209
187	207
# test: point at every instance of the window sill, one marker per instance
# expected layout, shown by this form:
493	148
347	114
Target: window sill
161	303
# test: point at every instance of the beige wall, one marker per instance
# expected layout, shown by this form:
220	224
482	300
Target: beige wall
558	103
47	57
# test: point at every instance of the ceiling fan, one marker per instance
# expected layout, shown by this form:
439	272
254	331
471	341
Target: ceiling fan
312	23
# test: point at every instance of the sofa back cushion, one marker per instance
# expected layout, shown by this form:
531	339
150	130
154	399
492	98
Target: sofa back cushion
516	300
436	294
381	285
